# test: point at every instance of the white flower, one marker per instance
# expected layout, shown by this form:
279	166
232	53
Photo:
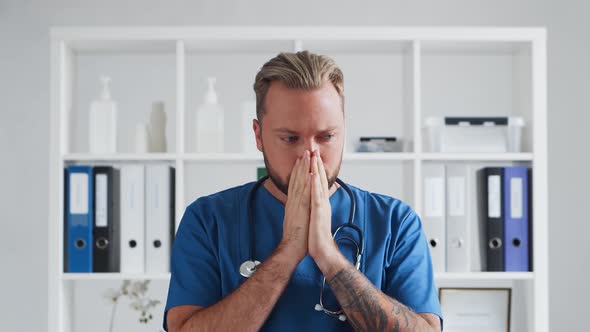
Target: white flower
112	295
136	292
136	305
138	288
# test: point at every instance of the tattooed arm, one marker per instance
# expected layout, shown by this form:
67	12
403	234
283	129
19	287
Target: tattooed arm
365	306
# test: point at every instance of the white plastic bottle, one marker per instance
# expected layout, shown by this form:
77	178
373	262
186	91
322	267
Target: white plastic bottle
157	128
209	122
102	122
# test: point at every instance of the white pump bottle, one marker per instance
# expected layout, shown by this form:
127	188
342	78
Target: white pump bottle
209	123
102	122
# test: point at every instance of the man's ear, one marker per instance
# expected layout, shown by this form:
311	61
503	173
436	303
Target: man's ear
258	133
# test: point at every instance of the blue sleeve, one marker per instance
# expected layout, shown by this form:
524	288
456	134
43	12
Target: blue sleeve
409	276
195	276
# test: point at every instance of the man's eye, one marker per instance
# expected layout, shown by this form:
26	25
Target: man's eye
289	139
329	137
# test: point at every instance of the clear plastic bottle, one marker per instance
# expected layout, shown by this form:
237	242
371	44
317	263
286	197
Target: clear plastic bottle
209	122
102	122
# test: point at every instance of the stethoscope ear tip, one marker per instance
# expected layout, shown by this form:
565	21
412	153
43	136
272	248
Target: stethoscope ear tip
342	318
318	307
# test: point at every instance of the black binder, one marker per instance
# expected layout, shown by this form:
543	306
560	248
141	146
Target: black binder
106	250
493	203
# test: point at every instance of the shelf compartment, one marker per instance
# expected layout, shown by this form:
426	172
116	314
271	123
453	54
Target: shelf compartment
379	94
141	73
476	79
471	208
235	74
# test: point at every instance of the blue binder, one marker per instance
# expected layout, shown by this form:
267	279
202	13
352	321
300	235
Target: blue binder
516	219
79	220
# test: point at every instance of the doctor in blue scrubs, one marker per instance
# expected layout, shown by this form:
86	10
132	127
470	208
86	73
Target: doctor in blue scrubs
308	279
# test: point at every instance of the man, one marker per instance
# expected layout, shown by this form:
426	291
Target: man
300	131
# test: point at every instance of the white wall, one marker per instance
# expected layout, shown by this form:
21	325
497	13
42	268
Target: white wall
24	110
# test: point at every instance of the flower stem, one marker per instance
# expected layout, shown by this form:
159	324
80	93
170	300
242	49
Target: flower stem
113	317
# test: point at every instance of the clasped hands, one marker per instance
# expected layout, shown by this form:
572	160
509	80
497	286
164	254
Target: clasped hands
308	214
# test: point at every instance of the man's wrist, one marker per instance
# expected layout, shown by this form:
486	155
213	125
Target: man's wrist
330	260
288	254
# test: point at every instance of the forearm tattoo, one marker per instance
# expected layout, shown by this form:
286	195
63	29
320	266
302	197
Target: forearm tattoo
368	310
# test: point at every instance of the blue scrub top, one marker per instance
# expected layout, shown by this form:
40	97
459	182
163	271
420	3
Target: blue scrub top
212	242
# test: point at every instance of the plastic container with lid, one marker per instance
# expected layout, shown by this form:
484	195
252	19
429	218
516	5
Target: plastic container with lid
474	134
379	144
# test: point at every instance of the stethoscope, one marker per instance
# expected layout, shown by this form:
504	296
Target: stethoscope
249	267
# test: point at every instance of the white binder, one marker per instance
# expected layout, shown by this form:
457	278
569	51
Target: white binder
433	218
458	208
132	219
158	207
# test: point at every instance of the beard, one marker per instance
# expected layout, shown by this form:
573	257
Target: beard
283	186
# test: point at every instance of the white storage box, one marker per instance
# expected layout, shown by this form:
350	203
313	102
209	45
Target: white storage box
474	134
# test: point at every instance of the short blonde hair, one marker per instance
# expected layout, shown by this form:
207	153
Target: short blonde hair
301	70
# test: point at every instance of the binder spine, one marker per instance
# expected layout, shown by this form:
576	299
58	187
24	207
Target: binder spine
433	217
158	223
80	215
494	217
105	247
516	221
458	239
132	219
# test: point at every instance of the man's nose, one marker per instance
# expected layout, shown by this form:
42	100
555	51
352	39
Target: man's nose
311	145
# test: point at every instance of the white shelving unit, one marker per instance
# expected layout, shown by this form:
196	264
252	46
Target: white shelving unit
415	72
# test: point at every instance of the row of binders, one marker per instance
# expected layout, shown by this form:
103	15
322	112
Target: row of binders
118	219
478	220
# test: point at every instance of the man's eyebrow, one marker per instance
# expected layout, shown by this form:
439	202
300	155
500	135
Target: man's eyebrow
284	130
292	132
330	129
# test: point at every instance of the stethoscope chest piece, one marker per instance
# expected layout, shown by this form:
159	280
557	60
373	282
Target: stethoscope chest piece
248	268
